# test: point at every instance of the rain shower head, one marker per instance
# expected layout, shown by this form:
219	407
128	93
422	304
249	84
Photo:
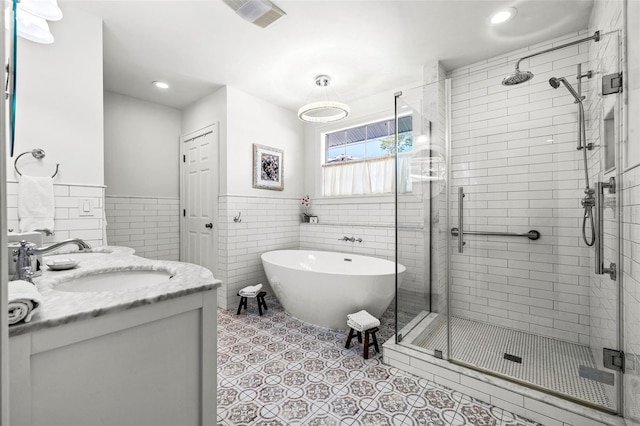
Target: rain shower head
555	83
517	77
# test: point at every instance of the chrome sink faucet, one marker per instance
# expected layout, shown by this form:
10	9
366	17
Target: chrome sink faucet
24	269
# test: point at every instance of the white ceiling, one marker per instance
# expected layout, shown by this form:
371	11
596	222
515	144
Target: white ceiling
366	46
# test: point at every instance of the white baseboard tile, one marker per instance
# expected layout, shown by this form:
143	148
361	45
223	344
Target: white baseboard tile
528	414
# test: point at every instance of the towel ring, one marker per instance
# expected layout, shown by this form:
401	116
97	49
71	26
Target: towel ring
38	153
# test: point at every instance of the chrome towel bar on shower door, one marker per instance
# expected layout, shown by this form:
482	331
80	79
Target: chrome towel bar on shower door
532	235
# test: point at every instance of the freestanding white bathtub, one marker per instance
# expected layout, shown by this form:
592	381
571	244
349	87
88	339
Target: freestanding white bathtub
321	287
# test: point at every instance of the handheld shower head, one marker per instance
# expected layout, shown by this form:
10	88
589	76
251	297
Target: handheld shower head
555	83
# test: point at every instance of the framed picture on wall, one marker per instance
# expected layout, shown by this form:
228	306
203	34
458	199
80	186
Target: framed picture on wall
268	168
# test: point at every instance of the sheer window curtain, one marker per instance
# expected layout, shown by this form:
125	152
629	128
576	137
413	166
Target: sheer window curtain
375	176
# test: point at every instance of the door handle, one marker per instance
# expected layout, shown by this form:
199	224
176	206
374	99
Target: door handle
209	225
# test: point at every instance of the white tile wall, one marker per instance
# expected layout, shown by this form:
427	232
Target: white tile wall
374	223
150	225
631	292
69	223
513	151
267	224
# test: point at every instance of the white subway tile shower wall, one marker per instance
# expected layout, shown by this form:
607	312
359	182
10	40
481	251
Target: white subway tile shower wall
267	224
513	151
150	225
631	296
68	220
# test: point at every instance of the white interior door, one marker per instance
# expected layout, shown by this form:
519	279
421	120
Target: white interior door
199	190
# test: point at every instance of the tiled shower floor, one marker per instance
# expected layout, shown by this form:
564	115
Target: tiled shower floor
546	362
275	370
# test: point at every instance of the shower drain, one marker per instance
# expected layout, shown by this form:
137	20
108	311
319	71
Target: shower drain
514	358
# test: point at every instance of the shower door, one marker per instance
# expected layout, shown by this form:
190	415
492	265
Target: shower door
533	290
421	229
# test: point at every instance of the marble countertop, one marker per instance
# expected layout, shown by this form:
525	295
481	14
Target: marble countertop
61	307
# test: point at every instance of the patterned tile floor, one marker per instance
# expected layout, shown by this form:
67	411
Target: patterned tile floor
275	370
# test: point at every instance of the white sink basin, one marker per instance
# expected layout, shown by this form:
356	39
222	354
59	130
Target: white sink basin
113	281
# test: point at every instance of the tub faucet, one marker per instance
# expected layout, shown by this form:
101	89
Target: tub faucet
352	239
24	269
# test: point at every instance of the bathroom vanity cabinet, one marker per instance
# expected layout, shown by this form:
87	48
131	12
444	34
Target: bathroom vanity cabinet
153	364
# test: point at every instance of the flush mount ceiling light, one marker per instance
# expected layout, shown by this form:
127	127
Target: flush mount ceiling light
503	15
259	12
160	84
323	111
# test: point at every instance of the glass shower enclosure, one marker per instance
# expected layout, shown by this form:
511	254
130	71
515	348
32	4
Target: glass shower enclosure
510	235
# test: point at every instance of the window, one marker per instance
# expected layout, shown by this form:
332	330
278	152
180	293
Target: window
360	160
369	141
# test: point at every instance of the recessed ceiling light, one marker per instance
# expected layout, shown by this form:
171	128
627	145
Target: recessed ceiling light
161	84
503	15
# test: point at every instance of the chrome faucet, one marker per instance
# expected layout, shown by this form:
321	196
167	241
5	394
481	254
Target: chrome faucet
24	270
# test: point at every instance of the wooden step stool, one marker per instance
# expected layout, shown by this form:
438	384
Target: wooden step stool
261	303
367	333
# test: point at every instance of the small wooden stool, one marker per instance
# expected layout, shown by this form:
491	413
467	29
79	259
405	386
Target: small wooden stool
367	333
261	303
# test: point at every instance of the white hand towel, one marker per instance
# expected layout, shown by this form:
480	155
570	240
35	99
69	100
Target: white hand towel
362	321
250	291
36	207
24	300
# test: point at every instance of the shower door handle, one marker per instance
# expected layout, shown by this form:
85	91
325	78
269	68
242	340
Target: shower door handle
460	218
599	225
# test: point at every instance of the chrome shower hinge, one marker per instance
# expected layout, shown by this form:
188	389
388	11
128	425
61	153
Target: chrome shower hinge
613	359
612	83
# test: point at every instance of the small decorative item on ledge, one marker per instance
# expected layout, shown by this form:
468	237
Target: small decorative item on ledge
307	217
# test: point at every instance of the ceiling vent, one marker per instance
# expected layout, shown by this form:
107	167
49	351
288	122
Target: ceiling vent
260	12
